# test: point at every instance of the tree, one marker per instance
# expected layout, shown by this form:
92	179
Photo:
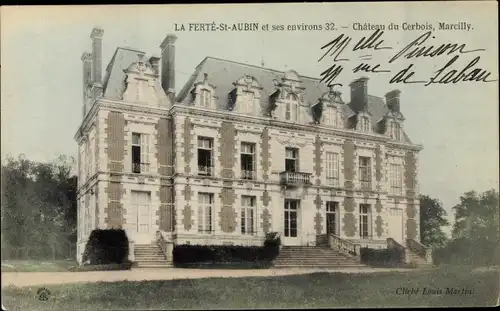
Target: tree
476	232
432	219
38	209
477	216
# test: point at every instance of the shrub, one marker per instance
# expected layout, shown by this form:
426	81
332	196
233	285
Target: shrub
224	253
126	265
106	246
463	251
380	257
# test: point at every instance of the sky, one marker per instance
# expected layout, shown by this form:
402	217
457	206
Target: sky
457	124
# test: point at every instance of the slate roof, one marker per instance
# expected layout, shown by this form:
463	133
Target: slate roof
114	80
222	73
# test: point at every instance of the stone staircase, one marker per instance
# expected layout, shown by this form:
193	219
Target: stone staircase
314	257
150	256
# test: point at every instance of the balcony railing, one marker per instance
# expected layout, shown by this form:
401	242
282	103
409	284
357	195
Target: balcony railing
205	170
366	185
250	175
140	168
295	178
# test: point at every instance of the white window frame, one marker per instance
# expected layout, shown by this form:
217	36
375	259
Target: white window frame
292	154
205	98
396	178
144	145
366	184
292	107
249	148
364	125
205	213
332	168
365	220
332	207
248	215
395	130
206	143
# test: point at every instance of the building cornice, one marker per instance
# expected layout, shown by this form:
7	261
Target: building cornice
182	109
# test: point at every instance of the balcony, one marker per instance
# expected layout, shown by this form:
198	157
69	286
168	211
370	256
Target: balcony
248	175
205	170
139	168
295	178
366	185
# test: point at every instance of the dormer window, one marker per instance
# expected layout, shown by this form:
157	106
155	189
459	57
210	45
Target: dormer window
205	98
364	124
247	103
395	130
291	108
332	117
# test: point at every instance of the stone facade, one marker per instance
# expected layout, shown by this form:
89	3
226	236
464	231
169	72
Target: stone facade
335	162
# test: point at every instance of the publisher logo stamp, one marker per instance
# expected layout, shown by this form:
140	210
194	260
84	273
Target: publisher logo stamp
43	294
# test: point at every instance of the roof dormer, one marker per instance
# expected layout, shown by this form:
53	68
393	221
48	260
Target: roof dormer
245	97
142	84
203	94
329	109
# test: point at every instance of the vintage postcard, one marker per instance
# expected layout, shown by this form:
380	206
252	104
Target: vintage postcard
264	156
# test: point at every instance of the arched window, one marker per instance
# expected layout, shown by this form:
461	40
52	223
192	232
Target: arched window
292	108
205	98
364	125
395	130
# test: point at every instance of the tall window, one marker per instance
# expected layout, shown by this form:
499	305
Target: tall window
364	221
205	156
205	210
140	153
395	130
365	173
291	159
205	98
331	217
247	160
332	169
248	102
364	125
291	108
291	210
248	215
396	178
331	116
139	218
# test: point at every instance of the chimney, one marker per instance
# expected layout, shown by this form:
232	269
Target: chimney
168	65
155	63
96	36
87	73
392	100
359	94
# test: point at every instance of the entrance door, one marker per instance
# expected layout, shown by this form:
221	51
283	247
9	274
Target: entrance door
291	225
395	225
140	218
331	217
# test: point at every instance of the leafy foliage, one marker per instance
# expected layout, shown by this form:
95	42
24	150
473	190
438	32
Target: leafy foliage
432	219
476	235
38	209
106	246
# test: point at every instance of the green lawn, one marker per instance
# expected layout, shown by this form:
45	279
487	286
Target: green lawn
37	265
317	290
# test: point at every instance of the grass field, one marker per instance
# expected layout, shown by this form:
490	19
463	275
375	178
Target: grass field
317	290
37	265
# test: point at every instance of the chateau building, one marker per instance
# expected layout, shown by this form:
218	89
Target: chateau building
239	152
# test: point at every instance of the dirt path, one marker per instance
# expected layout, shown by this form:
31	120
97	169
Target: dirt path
45	278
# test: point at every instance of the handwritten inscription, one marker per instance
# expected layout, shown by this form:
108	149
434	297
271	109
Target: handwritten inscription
450	72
